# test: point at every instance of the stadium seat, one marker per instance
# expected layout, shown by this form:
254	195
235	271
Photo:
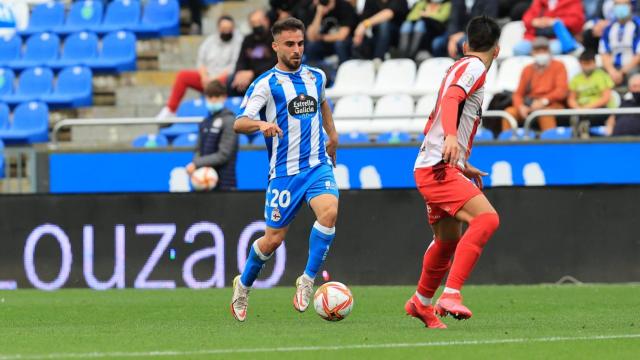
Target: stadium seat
559	133
4	116
77	49
507	135
233	104
118	53
32	85
188	108
510	70
159	18
39	50
353	105
571	64
491	81
150	141
483	135
511	34
120	15
186	140
1	159
395	137
392	105
6	81
30	124
394	76
45	17
9	49
354	77
82	16
353	138
258	140
598	131
243	140
74	88
430	75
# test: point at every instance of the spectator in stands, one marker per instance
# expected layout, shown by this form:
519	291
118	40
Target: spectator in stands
592	88
427	20
331	26
217	142
543	85
461	12
282	9
381	19
513	9
620	43
628	124
554	19
256	55
195	8
216	58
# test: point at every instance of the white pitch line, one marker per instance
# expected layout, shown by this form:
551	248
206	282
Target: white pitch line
95	355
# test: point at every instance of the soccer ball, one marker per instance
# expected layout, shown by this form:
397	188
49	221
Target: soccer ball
204	179
333	301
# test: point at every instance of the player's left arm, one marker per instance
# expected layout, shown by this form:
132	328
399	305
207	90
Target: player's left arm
330	128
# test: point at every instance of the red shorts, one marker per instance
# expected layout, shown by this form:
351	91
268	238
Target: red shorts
445	189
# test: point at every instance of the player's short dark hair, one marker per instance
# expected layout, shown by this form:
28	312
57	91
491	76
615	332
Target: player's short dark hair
225	17
483	33
587	55
290	24
215	88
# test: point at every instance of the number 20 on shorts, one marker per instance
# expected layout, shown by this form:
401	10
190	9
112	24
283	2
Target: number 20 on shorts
280	199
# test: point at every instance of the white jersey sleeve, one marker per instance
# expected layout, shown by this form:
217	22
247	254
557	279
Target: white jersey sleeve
256	98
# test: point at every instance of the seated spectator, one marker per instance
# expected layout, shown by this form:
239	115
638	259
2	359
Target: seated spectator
216	57
628	124
597	21
217	142
331	26
427	20
14	16
379	28
256	54
620	43
591	89
553	19
283	9
195	9
543	85
514	9
461	12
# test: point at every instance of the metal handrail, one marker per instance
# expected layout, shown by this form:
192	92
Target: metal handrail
569	112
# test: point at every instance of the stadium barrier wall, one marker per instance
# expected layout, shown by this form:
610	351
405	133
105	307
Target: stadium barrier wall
201	240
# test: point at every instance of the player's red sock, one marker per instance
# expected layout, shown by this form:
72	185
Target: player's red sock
470	247
436	262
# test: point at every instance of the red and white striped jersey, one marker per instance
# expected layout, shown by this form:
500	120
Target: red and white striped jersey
468	73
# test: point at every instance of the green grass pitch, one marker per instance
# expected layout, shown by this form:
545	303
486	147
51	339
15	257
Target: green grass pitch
509	322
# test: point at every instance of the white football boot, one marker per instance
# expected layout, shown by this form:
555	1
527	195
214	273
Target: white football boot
304	293
240	300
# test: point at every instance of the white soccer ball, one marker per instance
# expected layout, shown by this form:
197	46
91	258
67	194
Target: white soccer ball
333	301
204	179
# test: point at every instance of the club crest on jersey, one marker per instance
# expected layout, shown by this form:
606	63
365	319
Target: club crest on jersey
275	215
467	79
303	106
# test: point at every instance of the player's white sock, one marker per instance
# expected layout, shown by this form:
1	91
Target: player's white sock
451	291
423	299
307	277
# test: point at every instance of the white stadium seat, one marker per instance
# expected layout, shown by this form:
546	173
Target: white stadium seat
354	77
510	70
491	81
512	33
425	104
394	76
391	105
353	105
430	75
571	64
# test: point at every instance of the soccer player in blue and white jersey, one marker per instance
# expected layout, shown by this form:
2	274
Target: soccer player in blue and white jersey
287	104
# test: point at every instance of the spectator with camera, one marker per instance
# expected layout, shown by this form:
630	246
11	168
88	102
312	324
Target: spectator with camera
330	27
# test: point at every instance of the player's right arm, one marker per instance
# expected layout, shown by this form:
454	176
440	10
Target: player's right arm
248	120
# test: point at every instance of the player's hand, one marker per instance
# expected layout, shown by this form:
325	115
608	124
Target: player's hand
332	146
474	174
270	129
191	168
451	150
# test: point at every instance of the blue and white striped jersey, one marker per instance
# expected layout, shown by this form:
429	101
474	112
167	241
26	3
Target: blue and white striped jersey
621	41
292	101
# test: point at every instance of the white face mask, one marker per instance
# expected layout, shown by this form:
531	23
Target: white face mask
542	59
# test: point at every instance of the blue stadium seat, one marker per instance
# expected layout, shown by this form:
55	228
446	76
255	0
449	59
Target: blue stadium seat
353	138
6	81
83	15
186	140
483	135
45	17
233	104
78	48
258	140
150	141
1	160
118	53
39	50
32	85
30	124
9	49
159	18
243	140
507	135
393	138
74	88
598	131
559	133
4	116
120	15
195	107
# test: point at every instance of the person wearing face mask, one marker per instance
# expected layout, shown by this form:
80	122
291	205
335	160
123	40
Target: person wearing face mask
620	43
256	55
331	26
591	89
217	142
543	85
627	124
217	56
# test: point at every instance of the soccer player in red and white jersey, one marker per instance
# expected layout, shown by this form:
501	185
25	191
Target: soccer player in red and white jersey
450	186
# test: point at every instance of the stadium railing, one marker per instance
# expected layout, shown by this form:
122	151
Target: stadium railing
528	122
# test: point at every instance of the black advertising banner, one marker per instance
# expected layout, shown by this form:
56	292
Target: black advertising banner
201	240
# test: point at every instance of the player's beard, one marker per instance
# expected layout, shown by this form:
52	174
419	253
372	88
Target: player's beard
290	63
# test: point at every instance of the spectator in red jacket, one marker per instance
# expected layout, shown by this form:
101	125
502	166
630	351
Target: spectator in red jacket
557	20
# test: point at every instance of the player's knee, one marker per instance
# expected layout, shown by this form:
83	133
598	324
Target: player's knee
328	216
490	222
